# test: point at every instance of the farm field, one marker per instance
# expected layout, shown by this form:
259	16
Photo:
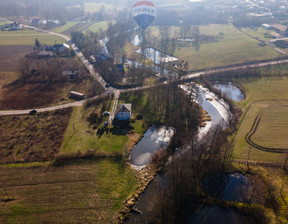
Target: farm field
32	138
77	192
268	96
92	7
96	26
77	27
260	33
10	56
27	37
65	27
235	47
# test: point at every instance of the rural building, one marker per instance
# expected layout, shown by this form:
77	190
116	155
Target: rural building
39	22
71	74
76	95
45	54
103	58
266	26
11	26
120	68
60	48
123	112
279	28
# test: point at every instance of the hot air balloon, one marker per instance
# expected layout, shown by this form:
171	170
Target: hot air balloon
144	13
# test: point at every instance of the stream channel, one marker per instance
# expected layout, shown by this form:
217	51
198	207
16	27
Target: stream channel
156	138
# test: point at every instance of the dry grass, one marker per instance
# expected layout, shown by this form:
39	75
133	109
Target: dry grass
32	138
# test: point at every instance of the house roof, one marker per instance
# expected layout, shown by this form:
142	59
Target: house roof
280	27
73	72
124	108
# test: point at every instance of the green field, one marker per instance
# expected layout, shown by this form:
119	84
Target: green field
234	48
67	26
270	96
260	33
80	137
27	37
80	192
96	26
92	7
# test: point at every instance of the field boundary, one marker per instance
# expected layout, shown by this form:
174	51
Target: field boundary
253	130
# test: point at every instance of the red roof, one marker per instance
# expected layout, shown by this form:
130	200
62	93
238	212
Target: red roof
144	3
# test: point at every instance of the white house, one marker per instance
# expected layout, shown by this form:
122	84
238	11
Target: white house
123	112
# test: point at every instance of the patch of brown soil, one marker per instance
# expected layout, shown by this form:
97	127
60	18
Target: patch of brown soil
10	56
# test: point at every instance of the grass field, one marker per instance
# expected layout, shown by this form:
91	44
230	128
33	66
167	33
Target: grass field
272	131
67	26
235	47
269	95
87	192
96	26
95	7
27	37
260	33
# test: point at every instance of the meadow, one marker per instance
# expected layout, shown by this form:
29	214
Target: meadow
270	96
61	29
235	47
27	37
95	27
79	192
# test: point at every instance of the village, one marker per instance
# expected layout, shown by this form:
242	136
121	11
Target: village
158	111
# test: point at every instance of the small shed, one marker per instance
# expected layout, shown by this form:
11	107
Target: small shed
71	74
123	112
76	95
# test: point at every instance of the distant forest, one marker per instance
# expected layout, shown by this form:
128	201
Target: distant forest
52	9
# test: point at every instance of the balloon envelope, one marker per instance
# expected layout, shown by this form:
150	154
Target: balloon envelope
144	13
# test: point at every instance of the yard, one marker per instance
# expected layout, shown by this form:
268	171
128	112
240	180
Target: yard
41	93
80	136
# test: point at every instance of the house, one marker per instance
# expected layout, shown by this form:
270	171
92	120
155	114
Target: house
11	26
103	58
71	74
61	48
39	22
123	112
279	28
45	54
266	26
120	68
